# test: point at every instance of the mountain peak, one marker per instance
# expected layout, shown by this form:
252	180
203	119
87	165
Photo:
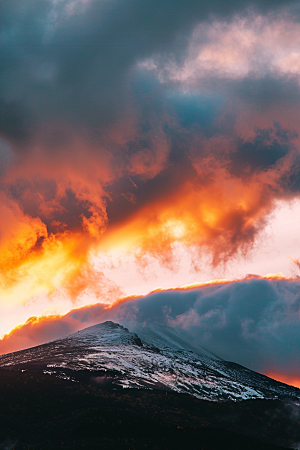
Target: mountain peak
111	324
104	334
107	326
159	360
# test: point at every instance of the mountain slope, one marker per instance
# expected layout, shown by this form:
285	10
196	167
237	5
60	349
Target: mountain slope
154	358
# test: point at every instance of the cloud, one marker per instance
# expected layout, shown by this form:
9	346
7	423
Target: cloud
251	45
141	126
38	330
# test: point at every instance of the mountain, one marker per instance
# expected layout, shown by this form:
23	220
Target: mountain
152	357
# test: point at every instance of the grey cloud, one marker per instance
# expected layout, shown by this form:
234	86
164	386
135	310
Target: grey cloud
252	322
266	91
6	156
75	66
262	152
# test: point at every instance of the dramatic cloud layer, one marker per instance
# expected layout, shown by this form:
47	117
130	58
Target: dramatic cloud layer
139	125
254	322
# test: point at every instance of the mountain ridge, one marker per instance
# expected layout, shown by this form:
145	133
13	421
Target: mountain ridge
152	357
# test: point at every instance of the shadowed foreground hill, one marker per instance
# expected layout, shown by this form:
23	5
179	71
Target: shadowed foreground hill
40	412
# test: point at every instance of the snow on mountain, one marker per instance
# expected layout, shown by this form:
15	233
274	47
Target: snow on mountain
149	357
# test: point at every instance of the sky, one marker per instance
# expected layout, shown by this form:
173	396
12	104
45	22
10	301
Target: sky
149	145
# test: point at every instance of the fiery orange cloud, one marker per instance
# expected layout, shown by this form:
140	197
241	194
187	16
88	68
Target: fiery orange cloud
33	261
46	246
222	216
38	330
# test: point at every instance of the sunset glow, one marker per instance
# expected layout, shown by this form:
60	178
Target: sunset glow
293	381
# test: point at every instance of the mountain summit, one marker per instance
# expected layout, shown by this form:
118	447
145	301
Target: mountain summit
150	357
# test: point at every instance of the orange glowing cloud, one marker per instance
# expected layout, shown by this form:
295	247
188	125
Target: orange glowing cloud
61	213
53	219
38	330
222	216
43	270
58	219
46	237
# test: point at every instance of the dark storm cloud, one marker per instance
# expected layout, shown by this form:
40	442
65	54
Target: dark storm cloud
59	63
254	322
6	156
266	91
129	195
39	199
262	152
